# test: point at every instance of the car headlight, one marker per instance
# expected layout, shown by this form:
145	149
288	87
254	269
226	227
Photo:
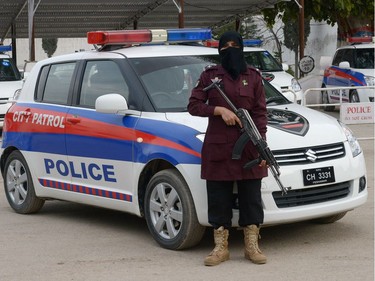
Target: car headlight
370	80
295	85
352	140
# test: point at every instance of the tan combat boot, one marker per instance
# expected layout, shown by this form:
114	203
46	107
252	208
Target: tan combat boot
252	252
220	253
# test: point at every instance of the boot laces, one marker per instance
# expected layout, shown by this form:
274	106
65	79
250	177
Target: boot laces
253	242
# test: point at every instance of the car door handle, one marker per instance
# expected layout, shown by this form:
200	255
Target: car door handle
73	119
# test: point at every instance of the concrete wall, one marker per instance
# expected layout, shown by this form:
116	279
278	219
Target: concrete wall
64	46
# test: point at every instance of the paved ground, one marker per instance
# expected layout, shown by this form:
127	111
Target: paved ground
67	241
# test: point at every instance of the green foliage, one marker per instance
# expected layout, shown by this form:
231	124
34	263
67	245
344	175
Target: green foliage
49	46
331	11
248	29
291	34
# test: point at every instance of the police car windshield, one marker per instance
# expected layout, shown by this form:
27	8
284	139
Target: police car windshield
8	71
262	60
170	80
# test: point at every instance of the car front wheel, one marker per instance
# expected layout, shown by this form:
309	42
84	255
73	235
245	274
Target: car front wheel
18	184
170	211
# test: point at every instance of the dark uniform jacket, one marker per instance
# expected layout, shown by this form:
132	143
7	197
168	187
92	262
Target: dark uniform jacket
246	92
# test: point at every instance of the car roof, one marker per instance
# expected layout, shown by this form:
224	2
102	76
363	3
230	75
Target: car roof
358	46
166	51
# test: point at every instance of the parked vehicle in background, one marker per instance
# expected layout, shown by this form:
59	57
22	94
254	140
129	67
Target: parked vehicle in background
275	73
10	81
272	71
352	66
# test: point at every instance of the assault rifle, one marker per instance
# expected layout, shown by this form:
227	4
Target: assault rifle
250	132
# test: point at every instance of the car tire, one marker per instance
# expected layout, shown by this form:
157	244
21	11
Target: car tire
353	96
330	219
325	100
170	212
19	187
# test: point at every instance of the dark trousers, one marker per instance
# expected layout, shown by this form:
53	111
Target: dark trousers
220	203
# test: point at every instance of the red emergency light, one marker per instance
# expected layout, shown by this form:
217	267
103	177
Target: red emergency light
367	39
119	37
142	36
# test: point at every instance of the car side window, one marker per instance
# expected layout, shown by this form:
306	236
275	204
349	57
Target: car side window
100	78
58	82
343	55
364	58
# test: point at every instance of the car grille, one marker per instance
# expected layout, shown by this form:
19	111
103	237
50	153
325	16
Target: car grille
313	195
308	155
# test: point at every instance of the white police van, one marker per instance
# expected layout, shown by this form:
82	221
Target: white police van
110	128
10	80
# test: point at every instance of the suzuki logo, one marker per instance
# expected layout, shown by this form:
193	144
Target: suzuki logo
310	155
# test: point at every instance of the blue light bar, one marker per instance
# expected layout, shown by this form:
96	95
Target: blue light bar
7	48
252	42
190	34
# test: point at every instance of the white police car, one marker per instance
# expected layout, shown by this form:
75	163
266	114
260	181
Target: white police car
352	66
110	128
10	81
272	71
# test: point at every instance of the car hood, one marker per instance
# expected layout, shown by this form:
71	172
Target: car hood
281	78
7	88
289	126
365	71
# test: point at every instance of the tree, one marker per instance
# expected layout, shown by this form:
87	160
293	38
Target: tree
348	14
291	36
49	46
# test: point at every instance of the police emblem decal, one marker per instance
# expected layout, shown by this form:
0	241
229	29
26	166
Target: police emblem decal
288	121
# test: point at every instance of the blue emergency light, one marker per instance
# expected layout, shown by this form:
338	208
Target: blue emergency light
192	34
246	43
252	42
6	48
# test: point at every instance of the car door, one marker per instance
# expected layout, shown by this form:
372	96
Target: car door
45	120
99	145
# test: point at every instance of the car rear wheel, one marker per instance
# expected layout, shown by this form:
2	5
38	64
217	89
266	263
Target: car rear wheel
353	96
330	219
325	100
170	211
18	184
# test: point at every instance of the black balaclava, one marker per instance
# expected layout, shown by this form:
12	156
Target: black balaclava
232	59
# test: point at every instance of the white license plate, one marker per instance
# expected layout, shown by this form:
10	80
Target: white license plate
318	175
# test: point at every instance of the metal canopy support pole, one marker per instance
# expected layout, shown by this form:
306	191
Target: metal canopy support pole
301	29
180	8
31	12
30	30
14	42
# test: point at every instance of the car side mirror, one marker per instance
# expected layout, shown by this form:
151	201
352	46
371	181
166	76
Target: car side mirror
111	103
344	64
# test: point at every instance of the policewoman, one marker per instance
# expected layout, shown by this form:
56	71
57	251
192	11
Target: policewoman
244	87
